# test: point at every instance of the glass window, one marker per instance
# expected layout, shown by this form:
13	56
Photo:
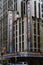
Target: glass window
34	25
34	38
39	9
34	30
22	46
42	0
16	47
42	21
19	38
19	28
34	46
16	39
38	29
38	43
35	8
22	27
19	46
42	5
42	10
42	15
22	37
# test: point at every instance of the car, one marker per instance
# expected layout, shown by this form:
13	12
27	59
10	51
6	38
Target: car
23	63
19	63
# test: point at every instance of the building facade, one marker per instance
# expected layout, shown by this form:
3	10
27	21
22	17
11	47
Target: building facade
7	5
1	15
37	25
22	25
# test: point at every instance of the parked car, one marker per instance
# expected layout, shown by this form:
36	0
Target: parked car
19	63
23	63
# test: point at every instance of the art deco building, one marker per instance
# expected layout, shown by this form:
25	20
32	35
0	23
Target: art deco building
22	25
1	15
37	25
7	4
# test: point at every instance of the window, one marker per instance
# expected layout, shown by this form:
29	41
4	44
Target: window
19	46
15	6
35	25
34	30
34	46
22	10
42	0
22	27
38	43
16	47
35	38
16	33
15	0
35	8
16	26
19	38
16	39
42	5
42	15
42	25
38	29
38	20
22	46
19	28
39	9
22	37
42	10
42	21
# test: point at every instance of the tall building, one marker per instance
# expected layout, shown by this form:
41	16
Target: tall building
7	5
22	25
37	25
20	37
1	15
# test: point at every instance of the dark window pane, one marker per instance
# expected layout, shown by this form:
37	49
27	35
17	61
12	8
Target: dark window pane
42	5
19	28
22	37
19	46
22	27
34	31
35	7
19	38
22	46
42	10
42	15
16	47
39	9
16	33
42	21
38	29
24	8
34	24
38	43
34	38
34	46
16	39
